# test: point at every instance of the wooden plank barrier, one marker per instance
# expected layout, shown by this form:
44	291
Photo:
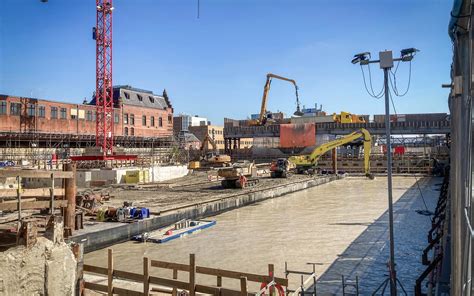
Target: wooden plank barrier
110	273
18	199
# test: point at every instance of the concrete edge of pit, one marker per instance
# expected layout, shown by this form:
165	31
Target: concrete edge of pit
123	232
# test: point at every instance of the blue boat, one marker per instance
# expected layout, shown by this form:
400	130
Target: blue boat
178	230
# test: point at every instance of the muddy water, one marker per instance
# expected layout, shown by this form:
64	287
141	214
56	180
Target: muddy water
315	225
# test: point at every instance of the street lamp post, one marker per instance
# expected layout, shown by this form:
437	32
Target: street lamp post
386	63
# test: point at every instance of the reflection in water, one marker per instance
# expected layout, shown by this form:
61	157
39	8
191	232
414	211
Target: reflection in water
315	225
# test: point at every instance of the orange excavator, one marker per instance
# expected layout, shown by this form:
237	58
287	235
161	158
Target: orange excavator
263	118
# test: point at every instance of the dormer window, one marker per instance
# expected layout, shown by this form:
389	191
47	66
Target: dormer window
140	98
152	99
127	95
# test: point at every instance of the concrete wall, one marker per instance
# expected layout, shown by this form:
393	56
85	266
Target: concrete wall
117	176
163	173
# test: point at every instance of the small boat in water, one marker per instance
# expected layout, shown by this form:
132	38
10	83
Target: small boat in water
178	230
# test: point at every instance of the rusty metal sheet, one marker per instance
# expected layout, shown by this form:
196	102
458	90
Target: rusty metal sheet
297	135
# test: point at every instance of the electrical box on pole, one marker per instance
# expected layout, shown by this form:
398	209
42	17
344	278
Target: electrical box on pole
386	59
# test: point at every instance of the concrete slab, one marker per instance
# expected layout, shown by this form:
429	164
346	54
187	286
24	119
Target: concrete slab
367	256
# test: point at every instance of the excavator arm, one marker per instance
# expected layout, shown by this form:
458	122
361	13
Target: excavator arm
209	140
266	89
312	159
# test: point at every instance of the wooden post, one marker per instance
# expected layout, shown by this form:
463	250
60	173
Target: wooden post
78	251
18	195
192	275
51	196
334	161
243	286
110	272
70	193
175	277
146	277
271	270
219	281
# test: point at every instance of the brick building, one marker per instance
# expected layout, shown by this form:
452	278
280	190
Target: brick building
137	113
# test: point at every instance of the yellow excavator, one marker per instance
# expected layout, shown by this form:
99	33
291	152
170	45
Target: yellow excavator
346	117
262	119
212	157
305	163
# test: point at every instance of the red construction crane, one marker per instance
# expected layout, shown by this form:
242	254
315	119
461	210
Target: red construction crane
104	100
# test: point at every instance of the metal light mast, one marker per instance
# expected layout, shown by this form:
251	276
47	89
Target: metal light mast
104	90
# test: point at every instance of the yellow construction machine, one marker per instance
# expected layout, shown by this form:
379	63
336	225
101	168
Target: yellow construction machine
346	117
241	174
262	119
212	157
305	163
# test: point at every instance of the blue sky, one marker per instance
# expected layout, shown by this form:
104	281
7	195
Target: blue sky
215	66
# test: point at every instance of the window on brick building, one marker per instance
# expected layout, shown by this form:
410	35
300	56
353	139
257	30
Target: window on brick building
132	131
132	119
125	118
152	99
89	115
31	109
15	108
170	118
116	118
127	96
160	121
140	98
41	111
126	131
144	120
3	107
63	113
152	121
94	115
54	112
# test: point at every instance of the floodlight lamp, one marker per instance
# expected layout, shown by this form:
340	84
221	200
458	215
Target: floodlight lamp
362	58
407	54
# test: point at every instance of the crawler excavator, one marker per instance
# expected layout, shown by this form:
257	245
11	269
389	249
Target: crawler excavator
262	119
212	157
304	163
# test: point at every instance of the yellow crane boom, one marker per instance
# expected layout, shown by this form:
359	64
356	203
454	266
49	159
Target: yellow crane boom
311	160
263	108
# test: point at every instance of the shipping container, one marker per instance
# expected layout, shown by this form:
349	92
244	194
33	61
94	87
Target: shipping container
297	135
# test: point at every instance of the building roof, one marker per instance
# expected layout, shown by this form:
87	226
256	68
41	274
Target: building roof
140	97
129	95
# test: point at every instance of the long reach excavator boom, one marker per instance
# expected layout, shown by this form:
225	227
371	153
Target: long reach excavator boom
263	108
308	161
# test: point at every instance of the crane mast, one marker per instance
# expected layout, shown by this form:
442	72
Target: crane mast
104	87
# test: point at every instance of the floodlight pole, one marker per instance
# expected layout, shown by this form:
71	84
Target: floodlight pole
393	274
386	63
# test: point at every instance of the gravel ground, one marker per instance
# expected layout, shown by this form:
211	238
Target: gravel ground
190	189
